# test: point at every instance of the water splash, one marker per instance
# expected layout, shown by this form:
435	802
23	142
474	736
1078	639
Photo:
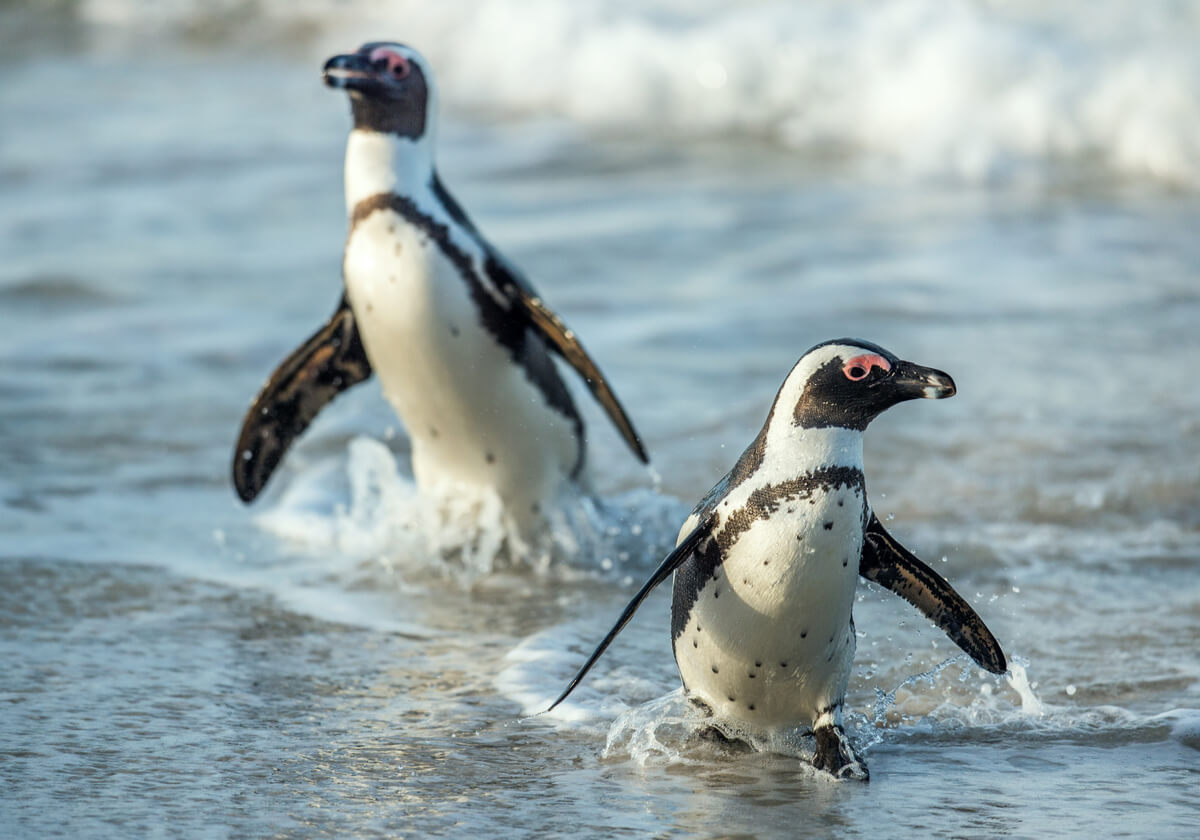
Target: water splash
466	534
1031	705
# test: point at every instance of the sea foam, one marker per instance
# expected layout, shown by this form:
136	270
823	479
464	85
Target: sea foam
933	88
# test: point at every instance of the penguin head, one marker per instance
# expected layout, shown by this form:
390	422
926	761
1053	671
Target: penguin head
390	86
847	383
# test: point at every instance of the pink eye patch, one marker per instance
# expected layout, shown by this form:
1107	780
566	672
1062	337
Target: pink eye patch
397	64
860	366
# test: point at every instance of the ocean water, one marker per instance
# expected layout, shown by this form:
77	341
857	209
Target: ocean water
1006	191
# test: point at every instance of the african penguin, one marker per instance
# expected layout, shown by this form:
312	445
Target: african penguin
767	563
461	342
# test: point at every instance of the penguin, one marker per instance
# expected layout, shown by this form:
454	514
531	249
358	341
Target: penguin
461	342
766	566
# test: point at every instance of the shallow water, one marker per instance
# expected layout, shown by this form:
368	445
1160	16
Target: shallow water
178	665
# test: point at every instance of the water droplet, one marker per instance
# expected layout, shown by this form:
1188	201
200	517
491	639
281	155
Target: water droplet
1071	690
1016	589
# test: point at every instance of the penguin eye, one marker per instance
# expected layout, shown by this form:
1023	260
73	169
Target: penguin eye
384	60
860	367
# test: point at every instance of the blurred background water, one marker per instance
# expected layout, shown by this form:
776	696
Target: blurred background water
1005	190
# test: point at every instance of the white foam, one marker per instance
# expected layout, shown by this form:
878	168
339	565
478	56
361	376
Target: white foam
1031	705
464	534
930	87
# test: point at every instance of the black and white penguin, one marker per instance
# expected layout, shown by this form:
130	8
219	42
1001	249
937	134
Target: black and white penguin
461	342
767	564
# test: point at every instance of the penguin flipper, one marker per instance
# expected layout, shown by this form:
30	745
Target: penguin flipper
682	551
565	343
889	564
330	361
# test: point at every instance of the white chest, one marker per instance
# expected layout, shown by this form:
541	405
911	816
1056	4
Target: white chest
769	640
472	412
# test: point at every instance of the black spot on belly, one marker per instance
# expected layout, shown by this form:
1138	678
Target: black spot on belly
845	562
751	675
803	634
751	707
490	458
828	526
732	700
695	643
831	639
454	330
841	502
782	664
791	510
799	538
716	594
757	663
714	670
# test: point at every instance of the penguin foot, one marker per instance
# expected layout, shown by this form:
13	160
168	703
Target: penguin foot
835	755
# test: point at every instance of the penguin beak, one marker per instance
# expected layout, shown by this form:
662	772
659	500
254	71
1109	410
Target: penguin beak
349	72
911	381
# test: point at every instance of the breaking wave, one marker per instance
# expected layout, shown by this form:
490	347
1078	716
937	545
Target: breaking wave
978	91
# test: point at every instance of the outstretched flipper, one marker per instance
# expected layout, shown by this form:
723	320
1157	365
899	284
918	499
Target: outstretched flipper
894	567
329	362
673	561
563	341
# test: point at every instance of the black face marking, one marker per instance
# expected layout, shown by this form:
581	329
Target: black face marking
830	399
852	397
524	347
390	97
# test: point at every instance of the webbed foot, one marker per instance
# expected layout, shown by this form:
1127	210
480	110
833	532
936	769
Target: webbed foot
835	755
